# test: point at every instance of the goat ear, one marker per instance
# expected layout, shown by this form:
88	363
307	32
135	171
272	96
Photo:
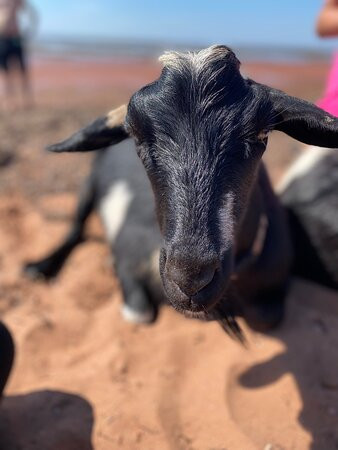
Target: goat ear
103	132
302	120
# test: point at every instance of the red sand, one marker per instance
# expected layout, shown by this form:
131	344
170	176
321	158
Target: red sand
85	379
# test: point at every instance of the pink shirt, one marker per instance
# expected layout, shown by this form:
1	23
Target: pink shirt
330	100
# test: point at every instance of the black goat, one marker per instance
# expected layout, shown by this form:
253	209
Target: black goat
200	131
309	191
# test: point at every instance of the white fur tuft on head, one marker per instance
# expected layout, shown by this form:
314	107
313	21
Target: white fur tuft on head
197	60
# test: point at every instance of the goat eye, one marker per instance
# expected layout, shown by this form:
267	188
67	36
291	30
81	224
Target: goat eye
262	135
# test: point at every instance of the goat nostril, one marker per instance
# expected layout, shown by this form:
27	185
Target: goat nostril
190	284
205	277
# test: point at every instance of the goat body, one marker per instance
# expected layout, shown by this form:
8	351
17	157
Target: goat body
309	195
118	189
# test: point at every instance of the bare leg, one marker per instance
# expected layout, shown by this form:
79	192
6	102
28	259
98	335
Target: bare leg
9	91
26	89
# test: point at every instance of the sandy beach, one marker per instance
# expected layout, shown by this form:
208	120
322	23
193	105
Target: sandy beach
85	379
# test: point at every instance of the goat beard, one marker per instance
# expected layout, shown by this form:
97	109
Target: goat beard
224	312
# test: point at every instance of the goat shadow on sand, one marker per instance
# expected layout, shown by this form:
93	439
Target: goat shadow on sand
310	335
45	420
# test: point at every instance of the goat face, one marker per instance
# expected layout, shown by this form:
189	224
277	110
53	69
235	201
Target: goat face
200	131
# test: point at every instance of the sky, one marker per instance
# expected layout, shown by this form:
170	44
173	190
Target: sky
231	22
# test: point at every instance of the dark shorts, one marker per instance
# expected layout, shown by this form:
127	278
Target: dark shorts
12	53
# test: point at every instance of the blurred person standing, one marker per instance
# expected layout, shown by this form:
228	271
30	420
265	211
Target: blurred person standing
327	26
13	59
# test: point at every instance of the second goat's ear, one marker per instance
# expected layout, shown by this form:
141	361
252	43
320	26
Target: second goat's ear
103	132
301	120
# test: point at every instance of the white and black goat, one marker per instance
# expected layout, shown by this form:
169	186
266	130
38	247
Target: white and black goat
193	141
